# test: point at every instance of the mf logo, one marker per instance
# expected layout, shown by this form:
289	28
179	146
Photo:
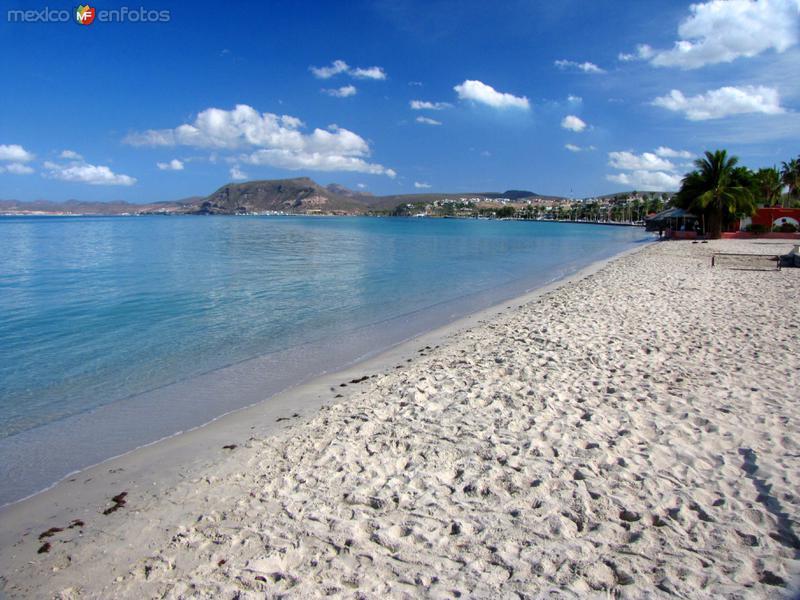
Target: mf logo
84	15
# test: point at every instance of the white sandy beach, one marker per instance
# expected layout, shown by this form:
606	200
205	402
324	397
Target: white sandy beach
633	432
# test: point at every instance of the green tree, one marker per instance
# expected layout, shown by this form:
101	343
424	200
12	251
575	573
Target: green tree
768	186
506	212
790	176
719	189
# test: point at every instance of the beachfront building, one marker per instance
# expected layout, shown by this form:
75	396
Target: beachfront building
772	218
674	222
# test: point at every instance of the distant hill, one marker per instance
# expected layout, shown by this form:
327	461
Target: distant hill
391	202
78	207
340	190
299	195
518	194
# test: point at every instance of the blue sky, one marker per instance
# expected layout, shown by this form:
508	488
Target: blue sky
568	98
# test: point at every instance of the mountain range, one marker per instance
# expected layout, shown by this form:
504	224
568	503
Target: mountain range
300	195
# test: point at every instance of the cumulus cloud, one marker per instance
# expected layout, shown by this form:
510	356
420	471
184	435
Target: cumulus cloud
276	140
339	66
657	181
723	102
70	155
425	105
575	148
586	67
572	99
16	156
369	73
573	123
428	121
666	152
16	169
648	170
647	161
237	174
341	92
15	153
315	161
173	165
82	172
720	31
421	185
478	91
643	52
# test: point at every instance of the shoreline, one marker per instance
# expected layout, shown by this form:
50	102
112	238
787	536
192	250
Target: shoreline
640	428
191	403
311	392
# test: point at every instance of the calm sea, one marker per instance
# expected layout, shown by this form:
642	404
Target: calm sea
115	332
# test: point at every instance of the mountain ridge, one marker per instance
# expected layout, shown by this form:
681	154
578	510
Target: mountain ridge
296	195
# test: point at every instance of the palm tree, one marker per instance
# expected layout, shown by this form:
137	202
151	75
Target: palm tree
768	185
719	189
790	176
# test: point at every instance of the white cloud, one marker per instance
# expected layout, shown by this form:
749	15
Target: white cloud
339	66
573	123
572	99
586	67
15	152
647	161
173	165
237	174
421	185
670	153
643	52
16	169
648	170
276	140
723	102
70	155
342	92
574	148
361	185
657	181
425	105
82	172
217	128
720	31
486	94
369	73
428	121
315	161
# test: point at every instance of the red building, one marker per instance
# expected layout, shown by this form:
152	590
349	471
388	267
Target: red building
773	216
770	218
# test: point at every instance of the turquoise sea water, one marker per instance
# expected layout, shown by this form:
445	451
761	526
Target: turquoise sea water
116	331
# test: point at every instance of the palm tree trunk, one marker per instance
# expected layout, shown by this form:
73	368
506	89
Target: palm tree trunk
715	220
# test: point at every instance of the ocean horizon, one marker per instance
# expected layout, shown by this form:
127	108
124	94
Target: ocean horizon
117	332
